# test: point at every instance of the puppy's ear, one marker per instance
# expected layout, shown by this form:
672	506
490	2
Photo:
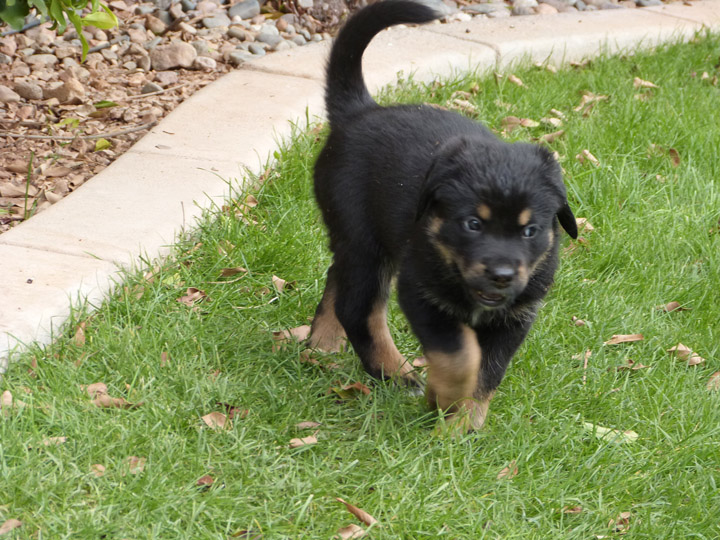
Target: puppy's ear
553	172
567	220
440	172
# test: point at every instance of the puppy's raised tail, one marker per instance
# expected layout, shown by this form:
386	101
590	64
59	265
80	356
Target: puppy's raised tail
345	91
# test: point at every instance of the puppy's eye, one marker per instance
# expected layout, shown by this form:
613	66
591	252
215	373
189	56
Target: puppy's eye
530	231
472	224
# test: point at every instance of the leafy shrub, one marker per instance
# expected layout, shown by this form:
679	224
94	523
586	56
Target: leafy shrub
13	12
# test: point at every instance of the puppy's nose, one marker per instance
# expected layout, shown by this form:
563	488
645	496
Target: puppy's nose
501	275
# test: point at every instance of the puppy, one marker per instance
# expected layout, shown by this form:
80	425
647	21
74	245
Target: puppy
467	223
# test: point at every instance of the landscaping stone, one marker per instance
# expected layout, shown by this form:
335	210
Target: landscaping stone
247	9
7	95
150	87
175	55
204	63
28	90
217	21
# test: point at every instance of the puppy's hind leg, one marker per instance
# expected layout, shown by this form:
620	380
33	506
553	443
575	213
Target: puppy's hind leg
361	306
327	333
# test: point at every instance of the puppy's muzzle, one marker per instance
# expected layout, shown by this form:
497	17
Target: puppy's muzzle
497	285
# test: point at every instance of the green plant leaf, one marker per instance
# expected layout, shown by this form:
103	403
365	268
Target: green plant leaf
40	5
58	16
101	19
72	122
105	104
102	144
13	12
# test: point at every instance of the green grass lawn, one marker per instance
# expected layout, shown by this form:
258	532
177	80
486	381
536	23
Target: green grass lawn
654	203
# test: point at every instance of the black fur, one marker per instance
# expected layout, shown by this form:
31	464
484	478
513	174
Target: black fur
400	190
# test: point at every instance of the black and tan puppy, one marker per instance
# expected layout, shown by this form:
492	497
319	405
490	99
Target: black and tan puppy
468	223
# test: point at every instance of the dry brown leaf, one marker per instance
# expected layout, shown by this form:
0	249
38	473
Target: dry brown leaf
549	138
251	201
107	402
420	362
98	470
233	411
307	357
463	105
578	322
349	391
351	531
79	337
713	383
584	356
639	83
164	358
631	366
359	513
53	441
307	425
675	157
585	155
96	388
228	272
684	353
624	338
620	524
299	333
304	441
135	464
572	509
587	102
206	480
508	472
216	420
561	115
12	523
515	80
279	283
672	306
192	296
553	122
6	400
584	225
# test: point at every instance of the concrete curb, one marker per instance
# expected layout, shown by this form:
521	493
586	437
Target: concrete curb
74	252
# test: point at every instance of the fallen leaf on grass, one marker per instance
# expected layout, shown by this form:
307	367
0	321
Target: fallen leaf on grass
307	425
584	225
508	472
99	392
52	441
675	157
588	101
552	122
630	366
79	337
713	383
206	480
229	272
233	412
11	524
620	524
639	83
192	296
572	509
420	362
280	284
585	155
97	388
308	358
578	322
349	391
672	306
136	465
98	470
216	420
359	513
304	441
351	531
515	80
511	122
7	402
164	358
282	337
549	138
463	105
612	435
686	354
624	338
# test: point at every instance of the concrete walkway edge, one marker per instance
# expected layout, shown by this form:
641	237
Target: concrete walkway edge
75	252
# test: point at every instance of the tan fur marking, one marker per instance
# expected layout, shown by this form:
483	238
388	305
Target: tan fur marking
327	333
433	229
524	217
484	211
386	357
541	258
452	377
523	274
474	270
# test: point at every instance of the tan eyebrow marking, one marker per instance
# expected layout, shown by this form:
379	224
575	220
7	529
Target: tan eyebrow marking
524	217
484	211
